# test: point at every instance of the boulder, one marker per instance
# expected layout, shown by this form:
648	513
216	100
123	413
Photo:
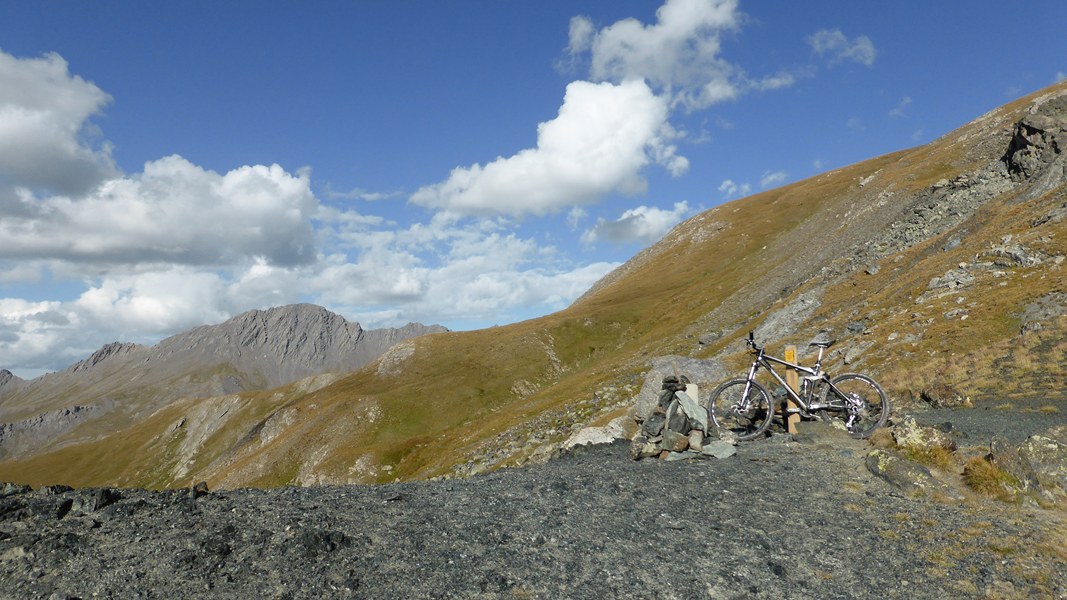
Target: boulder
641	447
696	440
653	425
1046	453
942	395
198	489
909	434
908	475
703	372
674	441
1008	459
10	489
719	449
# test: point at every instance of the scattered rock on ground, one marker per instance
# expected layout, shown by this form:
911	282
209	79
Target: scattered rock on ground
942	395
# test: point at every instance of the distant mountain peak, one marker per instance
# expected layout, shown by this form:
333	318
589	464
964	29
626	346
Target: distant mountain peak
7	377
106	352
288	342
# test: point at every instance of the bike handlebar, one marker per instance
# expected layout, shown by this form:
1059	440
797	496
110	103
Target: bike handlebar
751	342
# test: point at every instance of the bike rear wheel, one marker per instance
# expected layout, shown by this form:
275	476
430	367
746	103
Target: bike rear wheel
747	417
858	401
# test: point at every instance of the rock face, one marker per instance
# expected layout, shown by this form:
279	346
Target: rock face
7	378
1046	453
22	436
114	350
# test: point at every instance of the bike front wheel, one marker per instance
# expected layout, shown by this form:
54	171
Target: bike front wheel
858	401
746	417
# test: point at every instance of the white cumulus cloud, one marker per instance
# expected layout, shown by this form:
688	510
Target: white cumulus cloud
642	224
44	137
602	138
678	53
173	212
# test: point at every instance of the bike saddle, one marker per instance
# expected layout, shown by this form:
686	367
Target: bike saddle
825	344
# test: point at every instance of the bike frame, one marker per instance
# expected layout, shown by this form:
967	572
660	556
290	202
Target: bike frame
811	375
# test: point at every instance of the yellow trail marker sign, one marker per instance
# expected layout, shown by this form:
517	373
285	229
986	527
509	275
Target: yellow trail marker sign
792	379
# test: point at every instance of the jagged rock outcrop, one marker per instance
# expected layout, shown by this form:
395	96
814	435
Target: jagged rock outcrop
1046	453
8	380
22	436
1036	152
107	352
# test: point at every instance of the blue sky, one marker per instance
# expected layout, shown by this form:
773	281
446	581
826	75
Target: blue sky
467	163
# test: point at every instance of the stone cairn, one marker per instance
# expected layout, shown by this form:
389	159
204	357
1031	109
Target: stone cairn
678	427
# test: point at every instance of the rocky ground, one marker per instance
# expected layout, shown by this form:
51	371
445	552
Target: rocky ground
780	519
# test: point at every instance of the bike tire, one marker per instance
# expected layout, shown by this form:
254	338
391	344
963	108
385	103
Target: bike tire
875	410
747	424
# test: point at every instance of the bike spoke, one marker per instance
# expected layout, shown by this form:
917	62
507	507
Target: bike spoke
859	402
744	416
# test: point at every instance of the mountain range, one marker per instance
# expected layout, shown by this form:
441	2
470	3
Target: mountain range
938	264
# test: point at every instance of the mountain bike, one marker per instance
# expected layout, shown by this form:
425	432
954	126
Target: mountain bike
746	408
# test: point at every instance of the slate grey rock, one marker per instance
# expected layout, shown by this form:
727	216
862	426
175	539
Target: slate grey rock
11	489
676	419
674	441
819	431
719	449
681	455
908	475
654	424
198	489
1007	457
1046	453
942	395
910	434
641	447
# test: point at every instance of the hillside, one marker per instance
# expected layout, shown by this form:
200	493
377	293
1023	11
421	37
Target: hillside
939	263
122	384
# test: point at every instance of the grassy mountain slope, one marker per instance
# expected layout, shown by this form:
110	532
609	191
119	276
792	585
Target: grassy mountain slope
940	263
